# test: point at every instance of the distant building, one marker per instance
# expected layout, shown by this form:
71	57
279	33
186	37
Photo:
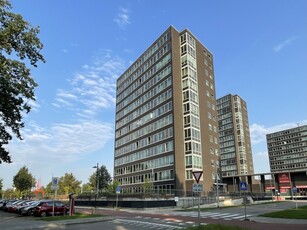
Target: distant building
288	158
166	118
235	143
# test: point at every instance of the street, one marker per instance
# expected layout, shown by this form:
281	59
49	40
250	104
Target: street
131	219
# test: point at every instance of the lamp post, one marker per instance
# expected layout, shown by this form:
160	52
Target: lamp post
97	182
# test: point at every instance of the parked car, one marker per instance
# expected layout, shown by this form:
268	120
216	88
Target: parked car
7	204
28	210
45	208
12	207
21	205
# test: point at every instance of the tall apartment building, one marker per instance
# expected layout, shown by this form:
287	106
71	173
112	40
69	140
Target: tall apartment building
166	118
288	150
235	144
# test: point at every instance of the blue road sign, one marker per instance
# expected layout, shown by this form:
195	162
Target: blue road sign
118	188
243	186
294	190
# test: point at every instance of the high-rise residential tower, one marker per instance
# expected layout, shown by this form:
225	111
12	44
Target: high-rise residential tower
235	144
166	118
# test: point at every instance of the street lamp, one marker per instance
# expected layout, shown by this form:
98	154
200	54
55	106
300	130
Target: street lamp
97	182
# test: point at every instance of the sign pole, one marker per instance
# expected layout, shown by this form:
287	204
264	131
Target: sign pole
245	205
197	175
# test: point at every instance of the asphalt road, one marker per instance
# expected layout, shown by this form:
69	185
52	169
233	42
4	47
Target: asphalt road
131	219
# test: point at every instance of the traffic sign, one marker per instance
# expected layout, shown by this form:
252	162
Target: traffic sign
243	186
118	188
55	183
197	187
294	189
197	175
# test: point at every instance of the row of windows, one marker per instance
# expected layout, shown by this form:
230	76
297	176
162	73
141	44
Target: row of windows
283	147
210	128
155	189
225	121
287	137
164	121
192	147
225	127
157	137
232	173
193	161
223	99
127	75
151	164
289	131
228	162
137	94
228	155
190	95
227	144
223	105
288	141
187	38
298	160
142	121
146	153
290	151
191	120
153	81
211	105
287	167
145	108
191	134
156	177
226	132
228	149
229	168
226	138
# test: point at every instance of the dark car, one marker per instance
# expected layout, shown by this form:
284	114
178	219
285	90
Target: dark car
47	207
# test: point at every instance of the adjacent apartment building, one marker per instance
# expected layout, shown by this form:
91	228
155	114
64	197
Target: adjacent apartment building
235	143
288	159
166	118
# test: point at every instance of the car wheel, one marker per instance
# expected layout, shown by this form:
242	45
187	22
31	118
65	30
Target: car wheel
30	212
43	214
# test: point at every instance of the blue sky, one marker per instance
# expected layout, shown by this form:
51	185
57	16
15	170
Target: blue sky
259	48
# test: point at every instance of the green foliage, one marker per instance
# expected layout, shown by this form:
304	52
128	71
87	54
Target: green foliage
104	178
87	188
111	188
19	45
10	193
1	186
23	180
148	186
68	184
299	213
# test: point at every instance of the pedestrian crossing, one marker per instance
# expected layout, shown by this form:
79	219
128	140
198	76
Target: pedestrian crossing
213	215
171	222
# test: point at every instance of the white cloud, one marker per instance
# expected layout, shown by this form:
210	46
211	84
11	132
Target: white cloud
123	17
94	87
281	45
65	141
258	132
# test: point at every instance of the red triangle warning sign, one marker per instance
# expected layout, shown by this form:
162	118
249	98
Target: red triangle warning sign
197	175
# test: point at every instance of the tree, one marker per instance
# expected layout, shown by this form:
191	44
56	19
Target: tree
68	184
19	45
87	188
104	178
23	180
